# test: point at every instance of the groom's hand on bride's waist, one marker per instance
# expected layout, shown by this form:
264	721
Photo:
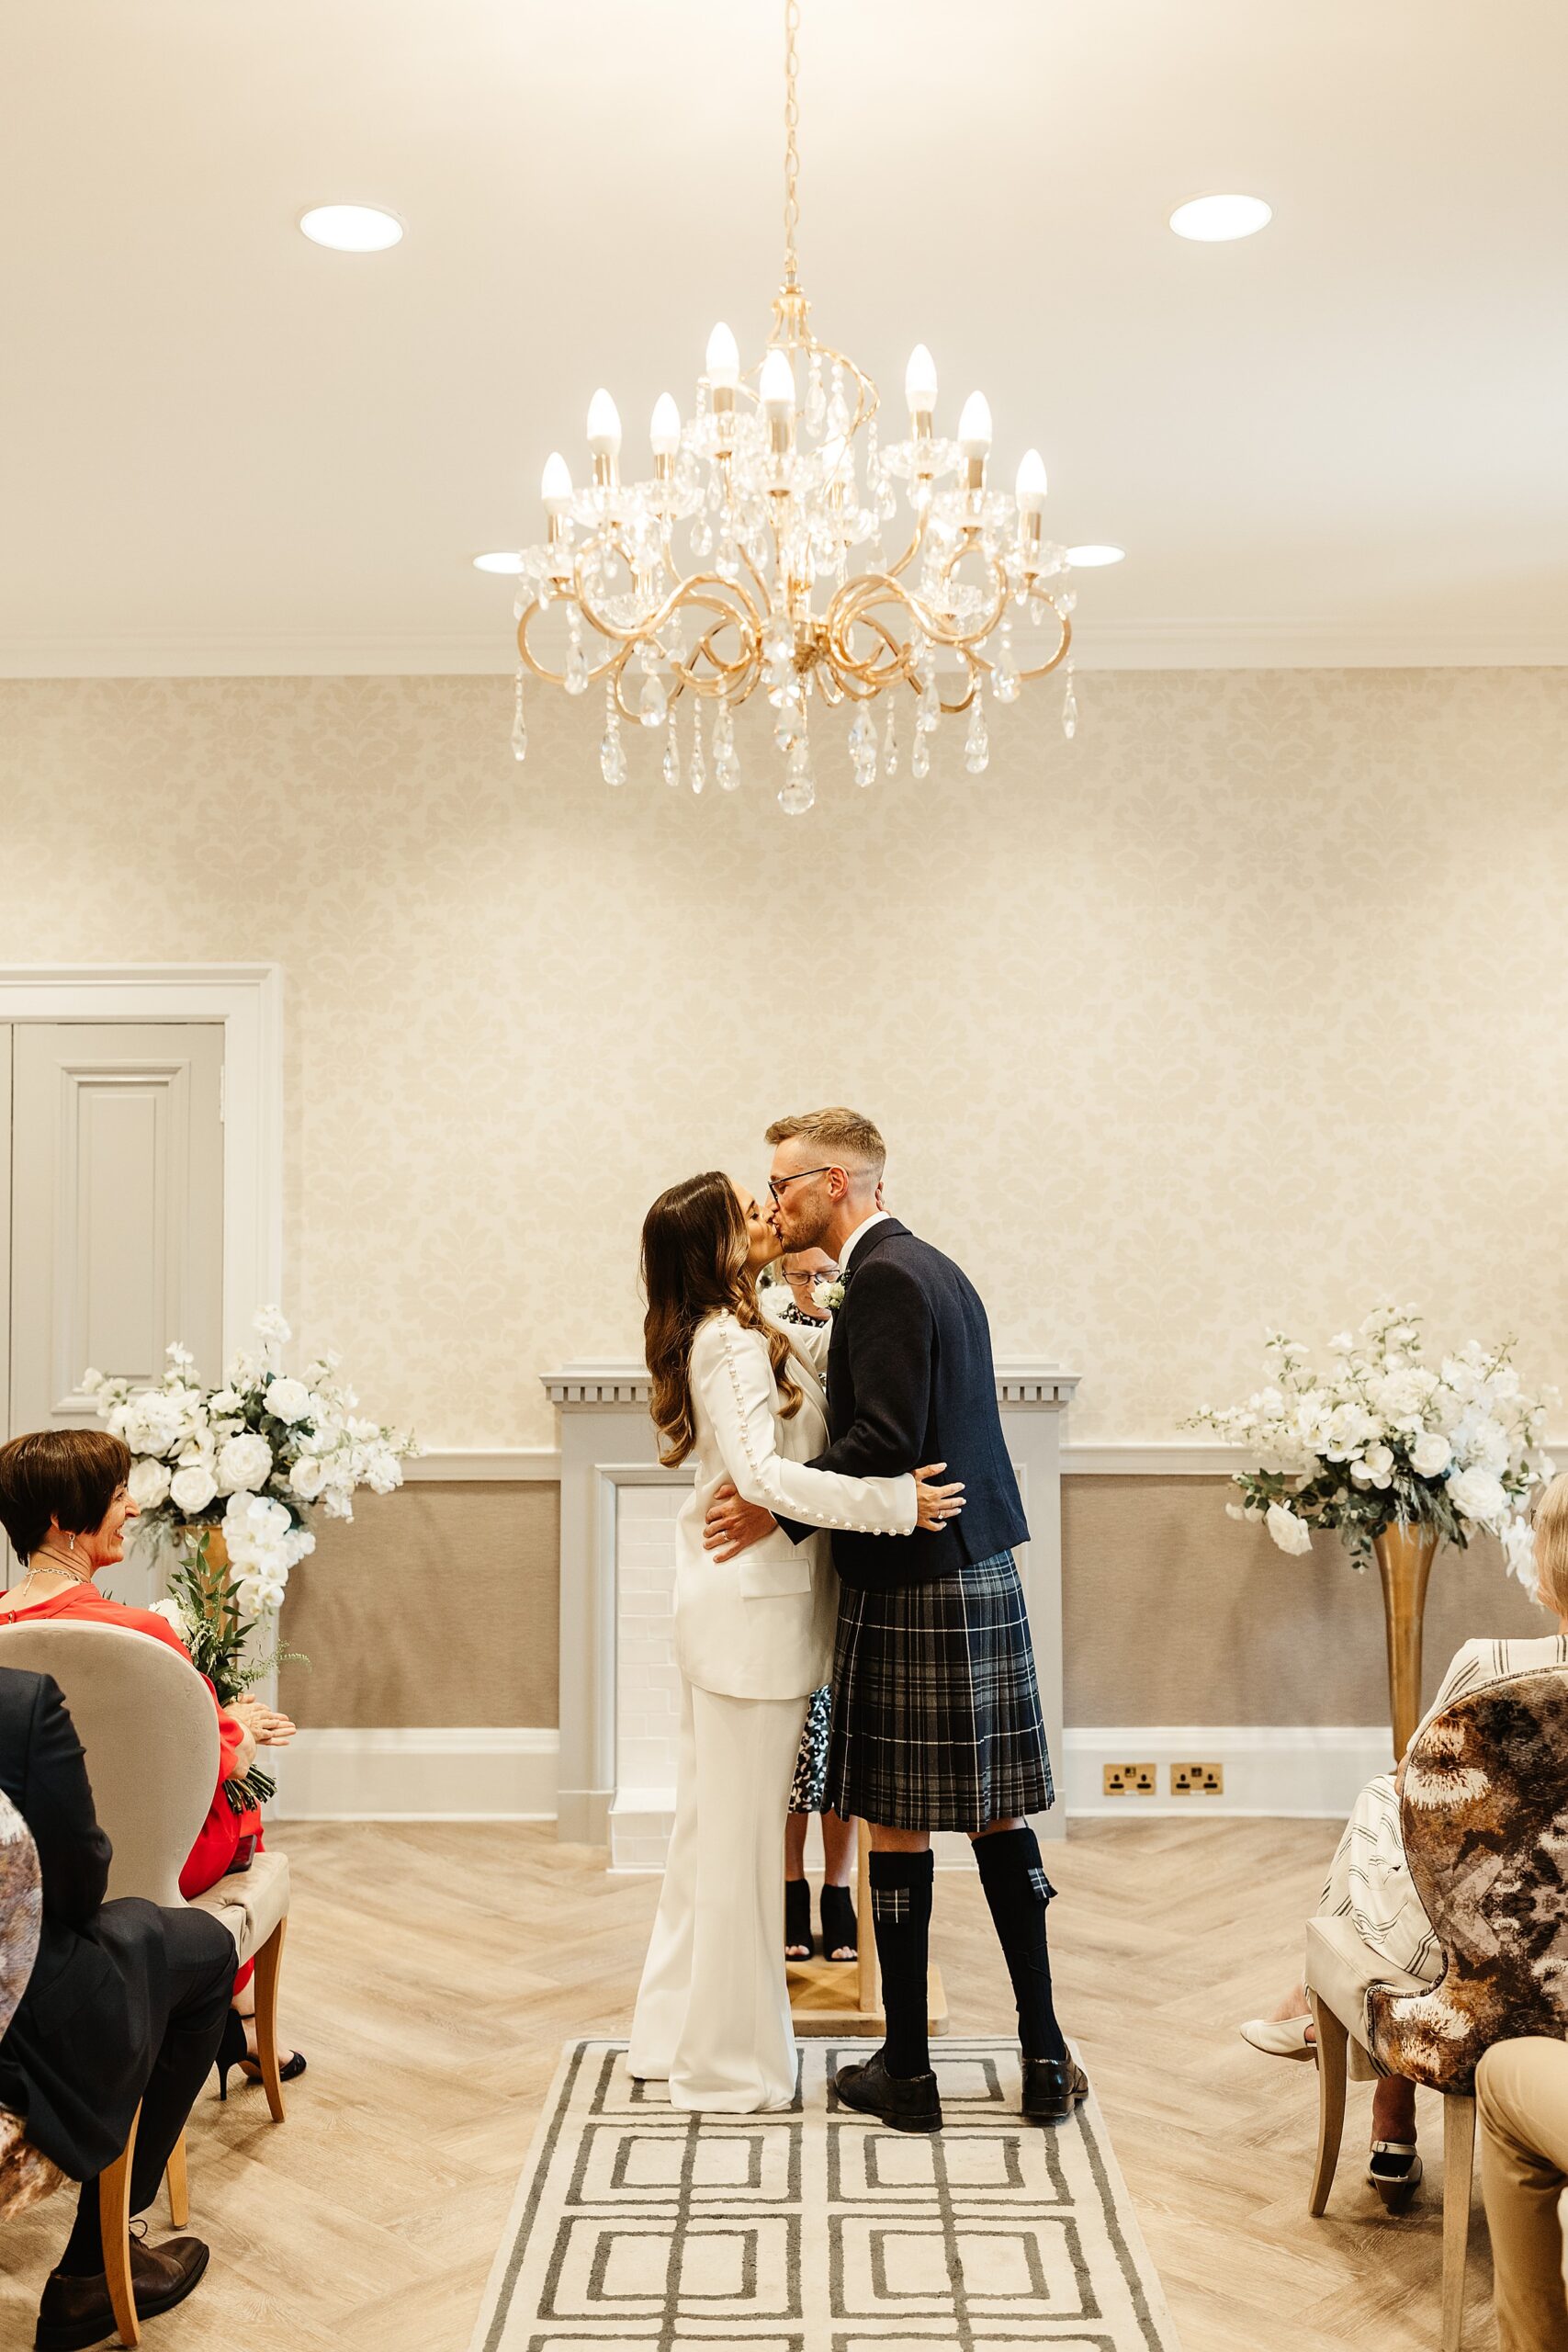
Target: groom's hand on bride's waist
733	1525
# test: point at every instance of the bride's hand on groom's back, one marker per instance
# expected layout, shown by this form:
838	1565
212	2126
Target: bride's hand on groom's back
935	1505
733	1525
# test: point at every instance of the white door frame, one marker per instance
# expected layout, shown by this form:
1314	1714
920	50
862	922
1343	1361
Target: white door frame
248	1000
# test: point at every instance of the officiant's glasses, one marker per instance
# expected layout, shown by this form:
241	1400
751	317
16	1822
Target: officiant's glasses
776	1184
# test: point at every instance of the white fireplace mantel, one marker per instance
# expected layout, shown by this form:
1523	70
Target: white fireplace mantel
607	1442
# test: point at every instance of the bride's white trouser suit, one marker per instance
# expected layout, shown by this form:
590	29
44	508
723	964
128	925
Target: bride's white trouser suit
753	1639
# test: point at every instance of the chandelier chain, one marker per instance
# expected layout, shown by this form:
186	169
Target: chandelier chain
792	146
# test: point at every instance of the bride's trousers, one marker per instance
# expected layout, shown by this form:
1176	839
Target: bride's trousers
713	2007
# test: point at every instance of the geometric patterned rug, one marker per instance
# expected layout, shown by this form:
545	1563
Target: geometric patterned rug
816	2230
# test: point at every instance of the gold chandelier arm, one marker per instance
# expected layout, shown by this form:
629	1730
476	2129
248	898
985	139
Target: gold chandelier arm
1044	669
526	655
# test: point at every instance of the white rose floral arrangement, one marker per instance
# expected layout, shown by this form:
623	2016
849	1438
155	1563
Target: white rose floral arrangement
247	1462
1383	1438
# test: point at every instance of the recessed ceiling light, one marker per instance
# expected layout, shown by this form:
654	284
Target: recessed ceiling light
351	228
1089	559
1216	219
502	561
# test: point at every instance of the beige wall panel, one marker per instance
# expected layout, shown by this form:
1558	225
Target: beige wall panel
437	1605
1174	1613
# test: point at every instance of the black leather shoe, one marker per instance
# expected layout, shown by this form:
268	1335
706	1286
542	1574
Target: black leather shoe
1051	2088
74	2313
908	2102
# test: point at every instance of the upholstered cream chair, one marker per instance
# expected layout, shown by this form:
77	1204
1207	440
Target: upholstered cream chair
144	1717
27	2175
1484	1821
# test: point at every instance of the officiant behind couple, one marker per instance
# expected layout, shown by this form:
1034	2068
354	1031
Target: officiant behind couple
936	1722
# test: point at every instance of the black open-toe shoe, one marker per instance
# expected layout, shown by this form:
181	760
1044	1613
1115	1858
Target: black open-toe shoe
797	1919
839	1932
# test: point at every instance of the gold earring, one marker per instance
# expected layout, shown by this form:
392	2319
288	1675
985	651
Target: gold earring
71	1545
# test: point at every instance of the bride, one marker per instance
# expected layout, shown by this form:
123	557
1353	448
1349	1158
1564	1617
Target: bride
753	1637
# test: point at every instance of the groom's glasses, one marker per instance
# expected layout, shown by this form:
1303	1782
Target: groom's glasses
776	1184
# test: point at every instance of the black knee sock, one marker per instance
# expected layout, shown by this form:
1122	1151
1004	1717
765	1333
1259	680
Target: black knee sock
1018	1891
901	1916
83	2257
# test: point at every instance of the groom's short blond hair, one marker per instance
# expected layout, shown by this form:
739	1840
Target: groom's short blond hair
852	1140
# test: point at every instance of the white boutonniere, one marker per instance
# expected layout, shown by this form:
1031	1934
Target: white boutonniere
827	1298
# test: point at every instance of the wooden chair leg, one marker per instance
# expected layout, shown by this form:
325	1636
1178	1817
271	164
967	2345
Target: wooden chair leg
178	2185
1459	2166
269	1962
114	2224
1332	2065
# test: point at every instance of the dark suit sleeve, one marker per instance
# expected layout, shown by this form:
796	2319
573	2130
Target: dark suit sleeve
74	1853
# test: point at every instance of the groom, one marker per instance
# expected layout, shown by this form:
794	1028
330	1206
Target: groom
936	1716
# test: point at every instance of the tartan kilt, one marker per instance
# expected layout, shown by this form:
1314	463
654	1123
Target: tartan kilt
936	1711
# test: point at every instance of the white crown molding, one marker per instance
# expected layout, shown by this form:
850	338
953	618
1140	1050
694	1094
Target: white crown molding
1155	644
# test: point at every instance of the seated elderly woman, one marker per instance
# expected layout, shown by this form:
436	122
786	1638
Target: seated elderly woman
65	1505
1370	1883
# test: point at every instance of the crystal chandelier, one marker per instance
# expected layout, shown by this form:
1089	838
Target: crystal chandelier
756	557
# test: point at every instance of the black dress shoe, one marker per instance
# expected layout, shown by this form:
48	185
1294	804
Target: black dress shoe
1051	2088
908	2102
74	2313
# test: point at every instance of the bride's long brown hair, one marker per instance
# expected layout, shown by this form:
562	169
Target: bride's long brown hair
694	1254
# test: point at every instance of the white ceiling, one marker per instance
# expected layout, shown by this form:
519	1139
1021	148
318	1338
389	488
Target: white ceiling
224	449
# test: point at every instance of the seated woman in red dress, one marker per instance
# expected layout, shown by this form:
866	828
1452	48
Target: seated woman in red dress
65	1505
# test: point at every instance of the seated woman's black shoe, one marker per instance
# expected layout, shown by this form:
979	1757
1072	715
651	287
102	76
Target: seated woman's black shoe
797	1919
839	1939
1051	2088
290	2071
232	2051
910	2103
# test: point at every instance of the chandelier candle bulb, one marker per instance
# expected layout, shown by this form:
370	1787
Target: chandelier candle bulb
919	390
1030	487
664	434
604	436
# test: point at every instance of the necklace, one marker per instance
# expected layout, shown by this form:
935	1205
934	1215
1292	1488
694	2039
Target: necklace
59	1566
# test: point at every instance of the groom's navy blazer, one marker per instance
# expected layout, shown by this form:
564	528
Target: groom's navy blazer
910	1381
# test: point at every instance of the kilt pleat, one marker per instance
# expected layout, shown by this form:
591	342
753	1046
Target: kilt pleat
936	1711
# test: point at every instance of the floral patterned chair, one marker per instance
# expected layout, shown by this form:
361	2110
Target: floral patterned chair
26	2175
1484	1817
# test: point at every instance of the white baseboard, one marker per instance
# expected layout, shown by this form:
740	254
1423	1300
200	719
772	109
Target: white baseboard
1289	1772
436	1774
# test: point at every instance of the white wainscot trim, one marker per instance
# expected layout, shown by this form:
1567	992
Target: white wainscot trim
492	1465
1286	1771
440	1773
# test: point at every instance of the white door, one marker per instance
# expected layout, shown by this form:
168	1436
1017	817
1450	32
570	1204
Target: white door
115	1222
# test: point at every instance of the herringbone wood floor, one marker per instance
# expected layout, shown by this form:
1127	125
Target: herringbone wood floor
433	1971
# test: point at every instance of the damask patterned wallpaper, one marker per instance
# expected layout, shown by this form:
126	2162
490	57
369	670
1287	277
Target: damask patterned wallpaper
1251	1004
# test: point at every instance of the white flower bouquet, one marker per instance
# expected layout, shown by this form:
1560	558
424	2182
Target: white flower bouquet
248	1461
1382	1438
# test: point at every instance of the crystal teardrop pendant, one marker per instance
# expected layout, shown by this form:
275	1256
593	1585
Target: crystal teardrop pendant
576	679
1069	710
519	723
788	727
890	744
976	741
798	791
920	757
931	708
1004	669
612	751
697	773
653	703
670	766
